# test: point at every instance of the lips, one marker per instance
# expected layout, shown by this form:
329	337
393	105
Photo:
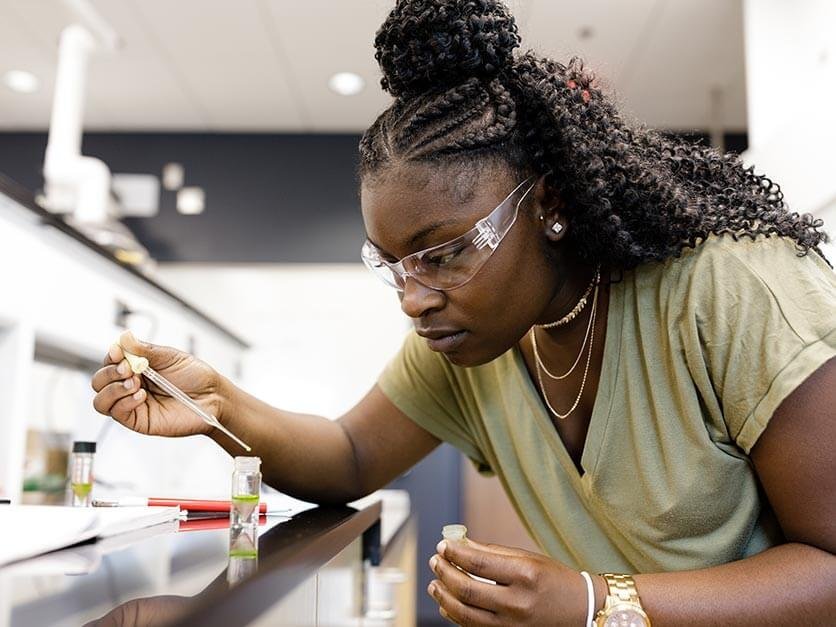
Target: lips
442	340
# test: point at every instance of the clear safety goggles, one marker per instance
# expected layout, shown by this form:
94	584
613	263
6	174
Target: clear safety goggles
454	263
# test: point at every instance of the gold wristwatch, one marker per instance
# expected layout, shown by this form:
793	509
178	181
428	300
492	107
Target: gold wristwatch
622	607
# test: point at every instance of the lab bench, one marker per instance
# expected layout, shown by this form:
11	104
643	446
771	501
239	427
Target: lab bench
348	565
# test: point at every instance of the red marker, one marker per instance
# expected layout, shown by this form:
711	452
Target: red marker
192	505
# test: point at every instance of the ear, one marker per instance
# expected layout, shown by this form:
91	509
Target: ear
554	225
550	210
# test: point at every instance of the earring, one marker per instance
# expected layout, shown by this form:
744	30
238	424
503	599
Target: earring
557	227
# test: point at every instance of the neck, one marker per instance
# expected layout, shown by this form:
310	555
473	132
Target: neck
576	278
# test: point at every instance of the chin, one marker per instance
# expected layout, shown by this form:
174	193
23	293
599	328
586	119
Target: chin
470	359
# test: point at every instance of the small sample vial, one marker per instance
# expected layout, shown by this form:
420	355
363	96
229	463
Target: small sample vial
454	533
243	552
458	533
246	490
80	493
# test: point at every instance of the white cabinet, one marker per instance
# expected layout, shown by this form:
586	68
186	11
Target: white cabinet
59	300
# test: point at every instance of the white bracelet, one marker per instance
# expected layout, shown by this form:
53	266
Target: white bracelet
590	598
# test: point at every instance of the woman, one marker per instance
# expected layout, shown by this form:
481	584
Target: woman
632	332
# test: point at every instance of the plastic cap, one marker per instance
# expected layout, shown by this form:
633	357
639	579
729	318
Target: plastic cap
247	464
84	447
454	532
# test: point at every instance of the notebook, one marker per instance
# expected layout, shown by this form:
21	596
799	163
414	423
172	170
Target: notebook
28	530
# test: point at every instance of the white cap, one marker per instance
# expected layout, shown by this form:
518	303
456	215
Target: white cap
247	464
454	532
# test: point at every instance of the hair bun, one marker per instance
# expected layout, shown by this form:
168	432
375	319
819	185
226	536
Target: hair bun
431	44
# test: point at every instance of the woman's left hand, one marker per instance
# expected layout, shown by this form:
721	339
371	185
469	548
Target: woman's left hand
530	589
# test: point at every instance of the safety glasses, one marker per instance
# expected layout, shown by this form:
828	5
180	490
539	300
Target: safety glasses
454	263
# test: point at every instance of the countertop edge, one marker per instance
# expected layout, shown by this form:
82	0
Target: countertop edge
283	572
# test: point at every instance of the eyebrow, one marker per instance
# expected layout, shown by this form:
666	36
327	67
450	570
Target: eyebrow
417	237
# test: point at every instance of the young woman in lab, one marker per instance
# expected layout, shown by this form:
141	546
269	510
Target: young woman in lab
632	332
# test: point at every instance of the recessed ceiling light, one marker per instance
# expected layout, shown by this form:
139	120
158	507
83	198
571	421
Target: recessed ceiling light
346	83
21	81
191	200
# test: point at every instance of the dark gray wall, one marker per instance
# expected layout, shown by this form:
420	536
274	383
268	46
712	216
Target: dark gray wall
269	198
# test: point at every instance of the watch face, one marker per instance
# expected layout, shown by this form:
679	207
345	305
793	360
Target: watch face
625	617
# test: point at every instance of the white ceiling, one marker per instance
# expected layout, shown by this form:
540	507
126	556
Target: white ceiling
263	65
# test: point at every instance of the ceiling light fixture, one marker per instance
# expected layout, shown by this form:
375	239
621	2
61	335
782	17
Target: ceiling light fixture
346	83
191	200
21	81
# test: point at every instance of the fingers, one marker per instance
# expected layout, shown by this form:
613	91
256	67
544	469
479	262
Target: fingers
454	610
114	355
105	401
467	590
109	374
483	561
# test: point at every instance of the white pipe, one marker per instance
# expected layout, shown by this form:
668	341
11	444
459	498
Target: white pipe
74	50
95	23
73	183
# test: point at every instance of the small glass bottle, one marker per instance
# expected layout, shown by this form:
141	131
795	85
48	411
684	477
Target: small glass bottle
454	533
243	553
80	493
246	491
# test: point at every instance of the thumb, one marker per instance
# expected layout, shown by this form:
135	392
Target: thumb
498	548
128	342
157	356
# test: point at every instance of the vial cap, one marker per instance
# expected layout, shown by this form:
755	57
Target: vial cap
454	532
247	464
84	447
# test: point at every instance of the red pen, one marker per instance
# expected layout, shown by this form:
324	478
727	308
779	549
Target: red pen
193	505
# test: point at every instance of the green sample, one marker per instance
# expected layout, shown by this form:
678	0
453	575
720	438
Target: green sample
81	490
246	553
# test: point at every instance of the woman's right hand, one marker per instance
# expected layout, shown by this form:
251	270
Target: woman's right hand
140	405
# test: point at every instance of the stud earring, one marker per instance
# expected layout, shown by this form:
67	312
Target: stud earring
557	227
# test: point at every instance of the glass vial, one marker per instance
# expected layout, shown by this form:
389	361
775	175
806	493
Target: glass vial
246	490
80	493
454	533
243	553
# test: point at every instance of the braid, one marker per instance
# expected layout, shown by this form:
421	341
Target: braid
631	194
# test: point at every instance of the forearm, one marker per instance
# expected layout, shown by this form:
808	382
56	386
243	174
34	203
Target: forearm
791	584
308	457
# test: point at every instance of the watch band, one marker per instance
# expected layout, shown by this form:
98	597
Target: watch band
623	587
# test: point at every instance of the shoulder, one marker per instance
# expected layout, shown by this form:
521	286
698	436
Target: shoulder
723	269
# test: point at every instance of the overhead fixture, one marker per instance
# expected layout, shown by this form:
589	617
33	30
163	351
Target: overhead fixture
173	176
191	200
346	83
21	81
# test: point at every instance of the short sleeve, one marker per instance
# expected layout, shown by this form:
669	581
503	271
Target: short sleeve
420	383
766	319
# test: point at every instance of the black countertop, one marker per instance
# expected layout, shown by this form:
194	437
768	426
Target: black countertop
103	584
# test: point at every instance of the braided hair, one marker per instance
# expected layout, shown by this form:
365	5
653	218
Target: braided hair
632	195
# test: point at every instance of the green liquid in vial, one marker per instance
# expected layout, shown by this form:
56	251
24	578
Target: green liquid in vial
246	553
244	504
81	490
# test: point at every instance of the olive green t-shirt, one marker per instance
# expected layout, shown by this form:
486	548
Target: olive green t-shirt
700	350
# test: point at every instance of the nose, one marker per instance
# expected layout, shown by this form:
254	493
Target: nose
417	299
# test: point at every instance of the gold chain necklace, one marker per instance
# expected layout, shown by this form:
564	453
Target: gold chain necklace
537	363
578	307
542	364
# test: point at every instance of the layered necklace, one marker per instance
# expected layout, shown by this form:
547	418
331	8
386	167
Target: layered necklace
589	336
